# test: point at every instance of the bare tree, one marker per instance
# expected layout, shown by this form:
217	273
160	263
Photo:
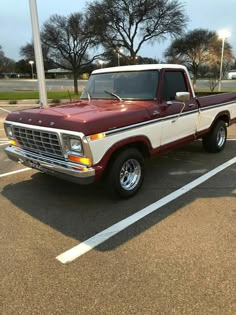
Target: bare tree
6	64
128	24
27	52
68	40
213	81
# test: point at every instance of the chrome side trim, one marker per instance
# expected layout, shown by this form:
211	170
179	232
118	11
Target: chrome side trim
149	122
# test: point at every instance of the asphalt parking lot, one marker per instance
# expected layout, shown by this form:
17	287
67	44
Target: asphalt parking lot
179	259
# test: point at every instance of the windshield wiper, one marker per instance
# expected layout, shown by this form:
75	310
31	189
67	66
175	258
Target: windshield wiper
115	95
89	96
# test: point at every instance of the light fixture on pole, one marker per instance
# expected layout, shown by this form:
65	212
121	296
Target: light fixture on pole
222	35
120	51
31	62
101	62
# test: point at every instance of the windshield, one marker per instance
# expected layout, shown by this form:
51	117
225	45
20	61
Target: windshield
135	85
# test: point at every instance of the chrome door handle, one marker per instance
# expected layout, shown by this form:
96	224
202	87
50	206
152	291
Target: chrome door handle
191	105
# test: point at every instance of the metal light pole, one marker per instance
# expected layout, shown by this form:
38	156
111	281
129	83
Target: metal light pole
31	62
222	35
38	53
118	56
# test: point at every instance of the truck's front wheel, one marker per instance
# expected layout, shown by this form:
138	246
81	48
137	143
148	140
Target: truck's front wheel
125	175
216	139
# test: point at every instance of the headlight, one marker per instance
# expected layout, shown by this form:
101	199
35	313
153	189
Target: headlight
76	145
72	144
9	131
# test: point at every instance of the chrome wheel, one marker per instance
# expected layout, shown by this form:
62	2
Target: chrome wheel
130	174
215	140
126	173
221	137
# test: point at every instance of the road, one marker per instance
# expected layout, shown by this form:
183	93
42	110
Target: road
180	259
64	85
32	85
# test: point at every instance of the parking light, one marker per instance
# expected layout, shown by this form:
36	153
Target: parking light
13	142
79	159
97	136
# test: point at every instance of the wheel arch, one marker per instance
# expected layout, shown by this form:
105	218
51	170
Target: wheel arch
224	116
141	143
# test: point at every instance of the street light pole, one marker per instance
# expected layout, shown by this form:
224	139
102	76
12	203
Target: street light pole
120	50
223	35
38	53
31	62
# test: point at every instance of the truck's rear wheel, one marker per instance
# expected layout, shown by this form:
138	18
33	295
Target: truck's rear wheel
125	175
216	139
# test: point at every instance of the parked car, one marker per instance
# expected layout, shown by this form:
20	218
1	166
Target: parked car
232	74
24	76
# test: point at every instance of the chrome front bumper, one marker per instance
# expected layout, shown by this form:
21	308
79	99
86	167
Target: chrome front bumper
52	166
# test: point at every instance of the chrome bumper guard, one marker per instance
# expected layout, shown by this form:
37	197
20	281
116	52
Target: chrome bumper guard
52	166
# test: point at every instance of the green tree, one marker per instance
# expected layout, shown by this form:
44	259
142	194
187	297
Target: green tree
22	66
196	49
129	24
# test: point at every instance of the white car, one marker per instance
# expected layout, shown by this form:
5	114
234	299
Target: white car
232	74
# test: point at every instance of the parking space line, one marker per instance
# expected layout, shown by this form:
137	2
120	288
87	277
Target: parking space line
15	172
106	234
5	110
4	143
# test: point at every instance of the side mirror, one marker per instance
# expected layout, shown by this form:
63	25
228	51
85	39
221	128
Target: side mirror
182	96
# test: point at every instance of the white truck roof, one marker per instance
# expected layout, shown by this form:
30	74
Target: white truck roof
139	68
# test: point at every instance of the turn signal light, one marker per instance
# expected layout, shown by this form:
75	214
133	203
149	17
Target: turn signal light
13	142
97	136
79	159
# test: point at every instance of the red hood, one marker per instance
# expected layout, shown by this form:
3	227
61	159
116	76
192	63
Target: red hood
86	117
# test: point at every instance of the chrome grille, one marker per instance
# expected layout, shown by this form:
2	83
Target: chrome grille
42	142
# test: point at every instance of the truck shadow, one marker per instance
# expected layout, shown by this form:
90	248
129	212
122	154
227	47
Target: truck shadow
82	211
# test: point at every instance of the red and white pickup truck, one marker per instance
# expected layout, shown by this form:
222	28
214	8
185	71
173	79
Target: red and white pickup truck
124	115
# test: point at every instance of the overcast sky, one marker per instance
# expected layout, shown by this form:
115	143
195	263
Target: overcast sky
15	25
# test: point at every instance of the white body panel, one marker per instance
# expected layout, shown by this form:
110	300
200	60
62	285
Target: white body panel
178	128
207	116
152	132
162	131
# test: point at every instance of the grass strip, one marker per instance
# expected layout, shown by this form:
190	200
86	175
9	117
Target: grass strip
35	95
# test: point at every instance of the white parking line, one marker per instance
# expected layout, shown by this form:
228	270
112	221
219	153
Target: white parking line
4	143
101	237
5	110
15	172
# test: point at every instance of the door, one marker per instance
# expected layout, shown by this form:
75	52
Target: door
179	119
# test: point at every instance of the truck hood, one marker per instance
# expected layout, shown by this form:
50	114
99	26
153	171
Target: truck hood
86	117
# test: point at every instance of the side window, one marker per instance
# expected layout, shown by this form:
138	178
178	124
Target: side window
174	81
